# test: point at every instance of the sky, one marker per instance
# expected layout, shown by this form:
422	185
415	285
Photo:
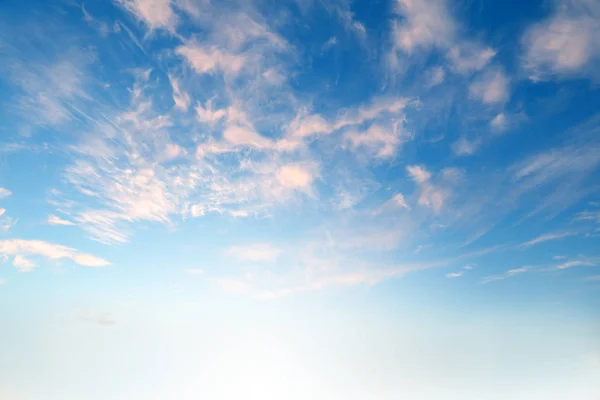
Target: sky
300	199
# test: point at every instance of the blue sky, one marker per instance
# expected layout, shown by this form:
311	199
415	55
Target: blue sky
299	199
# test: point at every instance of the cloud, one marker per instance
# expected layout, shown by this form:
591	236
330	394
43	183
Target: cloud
428	24
576	263
547	237
418	173
20	248
154	13
307	125
431	196
2	281
296	176
208	114
332	41
492	87
454	274
377	141
499	122
469	57
397	201
22	264
206	60
466	147
4	193
255	252
55	220
435	76
246	136
180	98
508	274
566	43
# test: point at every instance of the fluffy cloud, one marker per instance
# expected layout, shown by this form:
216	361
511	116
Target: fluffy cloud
22	264
429	24
491	88
418	173
20	248
567	43
296	176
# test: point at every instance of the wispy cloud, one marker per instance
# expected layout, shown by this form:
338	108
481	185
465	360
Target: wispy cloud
547	237
56	220
576	263
21	248
508	274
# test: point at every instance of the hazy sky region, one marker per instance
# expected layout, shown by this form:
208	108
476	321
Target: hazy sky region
299	199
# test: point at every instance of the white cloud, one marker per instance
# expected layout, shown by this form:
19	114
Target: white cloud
208	114
297	176
20	248
465	147
180	98
491	88
508	274
577	263
56	220
255	252
469	58
2	281
332	41
426	23
4	193
245	136
313	124
154	13
430	195
454	274
566	43
172	151
2	211
435	76
22	264
499	122
211	59
377	141
429	24
546	237
418	173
